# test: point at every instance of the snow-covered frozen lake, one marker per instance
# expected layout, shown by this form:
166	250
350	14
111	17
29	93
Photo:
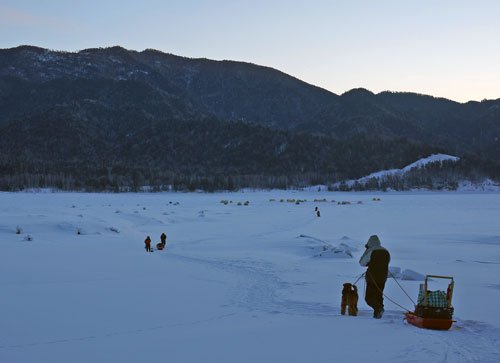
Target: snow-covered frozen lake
256	283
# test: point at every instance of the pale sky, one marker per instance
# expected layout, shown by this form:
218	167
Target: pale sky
445	48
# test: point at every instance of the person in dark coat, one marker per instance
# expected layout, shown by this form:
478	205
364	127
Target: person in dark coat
377	259
147	242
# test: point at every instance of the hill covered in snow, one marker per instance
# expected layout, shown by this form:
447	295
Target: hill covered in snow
421	163
437	171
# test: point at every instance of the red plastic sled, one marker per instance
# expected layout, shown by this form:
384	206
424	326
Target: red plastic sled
429	316
428	323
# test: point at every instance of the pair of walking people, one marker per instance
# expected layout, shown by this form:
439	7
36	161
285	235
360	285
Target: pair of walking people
159	246
377	259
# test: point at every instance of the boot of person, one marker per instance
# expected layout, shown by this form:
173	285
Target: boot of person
377	314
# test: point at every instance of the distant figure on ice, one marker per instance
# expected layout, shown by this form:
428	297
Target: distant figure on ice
163	239
318	214
147	242
377	259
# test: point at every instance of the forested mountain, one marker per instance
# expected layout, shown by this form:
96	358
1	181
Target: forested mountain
227	90
113	118
470	127
114	150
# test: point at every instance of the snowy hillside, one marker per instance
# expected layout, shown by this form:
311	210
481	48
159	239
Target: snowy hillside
436	172
240	283
436	158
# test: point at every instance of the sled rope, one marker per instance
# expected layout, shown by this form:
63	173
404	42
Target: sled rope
387	297
359	278
401	287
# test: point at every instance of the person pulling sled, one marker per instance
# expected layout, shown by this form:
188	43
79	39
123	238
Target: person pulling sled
163	238
377	259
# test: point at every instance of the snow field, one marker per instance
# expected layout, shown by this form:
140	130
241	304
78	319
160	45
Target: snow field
239	283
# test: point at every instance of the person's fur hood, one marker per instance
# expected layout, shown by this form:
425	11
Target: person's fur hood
373	244
373	241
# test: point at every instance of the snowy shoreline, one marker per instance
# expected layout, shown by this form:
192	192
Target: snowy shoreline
313	189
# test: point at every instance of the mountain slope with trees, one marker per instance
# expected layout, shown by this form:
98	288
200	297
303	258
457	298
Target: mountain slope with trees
110	118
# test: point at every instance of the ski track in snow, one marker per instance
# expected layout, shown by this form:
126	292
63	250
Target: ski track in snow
465	342
258	288
118	333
